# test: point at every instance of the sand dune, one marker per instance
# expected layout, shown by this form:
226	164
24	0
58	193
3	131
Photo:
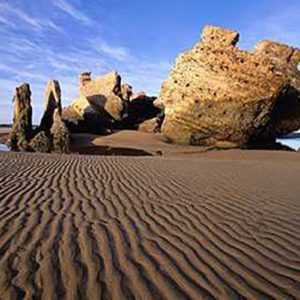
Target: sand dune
81	227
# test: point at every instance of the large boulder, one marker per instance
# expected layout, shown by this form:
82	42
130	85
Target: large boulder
104	92
21	132
99	104
52	102
218	94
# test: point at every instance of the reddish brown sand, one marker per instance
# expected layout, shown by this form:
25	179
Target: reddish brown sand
222	225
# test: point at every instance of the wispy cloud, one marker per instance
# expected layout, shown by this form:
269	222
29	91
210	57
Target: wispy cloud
23	74
6	22
115	52
281	24
71	10
30	52
8	13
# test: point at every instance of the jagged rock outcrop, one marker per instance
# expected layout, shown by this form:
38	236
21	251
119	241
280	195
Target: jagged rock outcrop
21	132
44	139
218	94
99	105
286	115
60	134
52	102
105	104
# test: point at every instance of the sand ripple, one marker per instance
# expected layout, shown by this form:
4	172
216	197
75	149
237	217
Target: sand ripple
148	228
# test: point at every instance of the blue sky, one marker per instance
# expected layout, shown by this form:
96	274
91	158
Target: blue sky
58	39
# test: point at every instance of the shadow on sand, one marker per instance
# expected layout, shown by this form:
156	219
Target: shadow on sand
110	151
83	144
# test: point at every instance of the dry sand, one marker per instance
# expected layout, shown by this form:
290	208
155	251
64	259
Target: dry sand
224	225
129	142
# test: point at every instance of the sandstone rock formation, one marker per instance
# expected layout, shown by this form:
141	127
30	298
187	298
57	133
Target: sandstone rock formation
139	109
126	92
52	102
104	93
150	126
52	134
218	94
105	104
22	121
99	105
286	114
41	143
60	134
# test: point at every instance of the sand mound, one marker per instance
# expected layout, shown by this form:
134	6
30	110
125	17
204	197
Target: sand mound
81	227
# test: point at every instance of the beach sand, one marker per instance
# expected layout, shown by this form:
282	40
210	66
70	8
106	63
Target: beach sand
221	225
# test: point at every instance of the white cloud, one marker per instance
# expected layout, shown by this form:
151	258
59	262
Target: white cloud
6	22
7	11
118	53
71	10
281	25
36	57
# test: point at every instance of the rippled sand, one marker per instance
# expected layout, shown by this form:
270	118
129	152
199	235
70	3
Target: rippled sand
223	225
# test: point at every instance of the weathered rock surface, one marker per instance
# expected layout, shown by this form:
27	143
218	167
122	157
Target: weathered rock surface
52	102
150	126
105	104
22	122
126	92
41	143
99	105
60	134
217	93
43	139
286	115
139	109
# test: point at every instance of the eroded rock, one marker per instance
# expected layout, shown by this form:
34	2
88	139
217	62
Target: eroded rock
150	126
98	106
217	93
139	109
103	93
52	102
60	134
105	104
40	143
21	132
126	92
286	114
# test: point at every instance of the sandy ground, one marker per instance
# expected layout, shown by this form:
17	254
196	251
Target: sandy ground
223	225
130	143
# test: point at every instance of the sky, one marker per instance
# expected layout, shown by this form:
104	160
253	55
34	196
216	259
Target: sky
58	39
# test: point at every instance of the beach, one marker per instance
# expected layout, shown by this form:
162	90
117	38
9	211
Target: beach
149	150
222	225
